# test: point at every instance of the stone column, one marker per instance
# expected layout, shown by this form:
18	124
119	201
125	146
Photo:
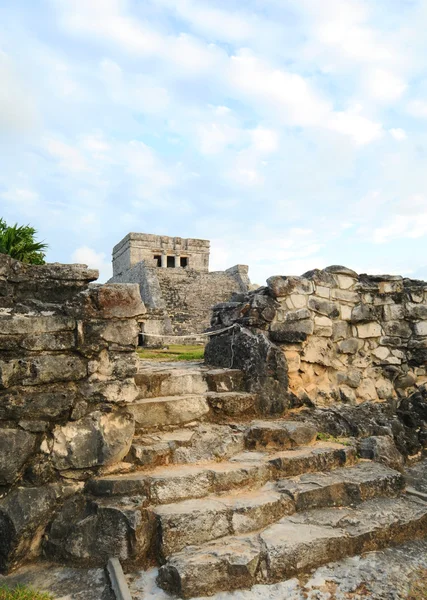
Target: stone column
164	260
177	260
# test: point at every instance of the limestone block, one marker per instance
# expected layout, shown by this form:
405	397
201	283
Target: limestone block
417	295
367	390
323	321
416	311
298	315
368	330
394	312
363	312
87	532
341	270
390	341
98	439
43	368
64	340
345	282
318	350
324	307
390	287
284	286
110	301
280	435
381	448
323	331
24	515
293	359
349	346
294	331
29	324
345	312
381	352
420	328
16	446
114	391
400	329
323	292
384	388
37	404
97	334
345	296
351	378
297	300
340	330
347	394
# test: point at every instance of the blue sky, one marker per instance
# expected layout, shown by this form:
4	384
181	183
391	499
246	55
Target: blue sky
291	133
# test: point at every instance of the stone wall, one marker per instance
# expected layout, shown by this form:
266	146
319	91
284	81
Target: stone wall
346	337
179	300
67	365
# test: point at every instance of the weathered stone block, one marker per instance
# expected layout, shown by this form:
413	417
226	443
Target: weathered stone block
24	515
28	324
352	378
324	307
284	286
363	312
416	311
98	439
291	332
349	346
421	328
16	446
400	329
381	448
298	315
44	368
369	330
344	296
340	330
318	350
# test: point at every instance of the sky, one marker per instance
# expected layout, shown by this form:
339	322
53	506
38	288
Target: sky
290	133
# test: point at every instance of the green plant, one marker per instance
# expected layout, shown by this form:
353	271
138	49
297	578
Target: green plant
22	593
326	437
18	241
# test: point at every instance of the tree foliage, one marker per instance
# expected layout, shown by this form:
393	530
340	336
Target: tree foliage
18	241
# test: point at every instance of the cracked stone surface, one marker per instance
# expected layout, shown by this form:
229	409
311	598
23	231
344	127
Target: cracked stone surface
383	575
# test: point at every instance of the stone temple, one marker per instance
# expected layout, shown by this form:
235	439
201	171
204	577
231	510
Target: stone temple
176	285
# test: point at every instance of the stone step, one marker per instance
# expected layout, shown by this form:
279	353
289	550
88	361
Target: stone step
173	483
279	434
156	412
294	545
180	379
193	522
203	442
232	404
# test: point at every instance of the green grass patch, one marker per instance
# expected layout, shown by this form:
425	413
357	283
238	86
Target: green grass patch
326	437
174	352
22	593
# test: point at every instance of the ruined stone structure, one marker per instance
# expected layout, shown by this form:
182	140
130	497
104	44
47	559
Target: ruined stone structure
221	474
176	285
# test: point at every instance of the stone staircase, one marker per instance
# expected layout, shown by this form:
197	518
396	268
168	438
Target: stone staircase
223	499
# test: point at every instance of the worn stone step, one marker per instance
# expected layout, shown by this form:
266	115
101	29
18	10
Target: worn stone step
203	442
232	404
172	483
294	545
342	486
192	522
279	434
168	410
178	379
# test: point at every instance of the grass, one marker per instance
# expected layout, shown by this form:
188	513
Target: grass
172	353
326	437
22	593
418	589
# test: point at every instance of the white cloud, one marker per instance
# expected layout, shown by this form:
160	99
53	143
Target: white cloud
18	113
361	129
383	85
409	222
94	260
398	134
69	157
265	140
418	108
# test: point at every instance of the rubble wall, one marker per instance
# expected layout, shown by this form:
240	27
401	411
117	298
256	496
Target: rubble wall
67	365
346	337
